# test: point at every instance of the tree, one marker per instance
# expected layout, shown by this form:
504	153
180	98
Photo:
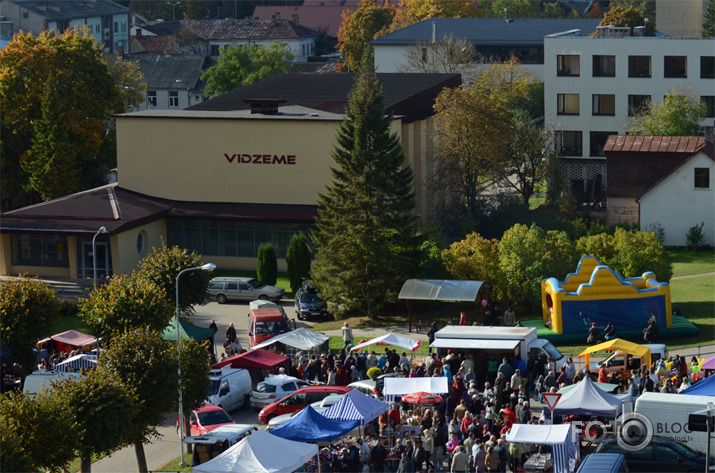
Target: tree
163	265
126	303
147	365
195	368
646	8
628	16
680	114
709	21
37	433
553	10
410	12
359	27
298	259
364	232
103	410
511	8
267	264
51	168
474	258
239	66
447	55
28	311
89	97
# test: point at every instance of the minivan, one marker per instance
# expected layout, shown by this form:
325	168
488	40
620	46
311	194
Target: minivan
229	388
224	289
43	379
267	323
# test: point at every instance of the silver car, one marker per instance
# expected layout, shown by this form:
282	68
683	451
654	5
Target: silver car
225	289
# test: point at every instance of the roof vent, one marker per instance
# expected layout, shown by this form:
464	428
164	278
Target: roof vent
509	20
264	106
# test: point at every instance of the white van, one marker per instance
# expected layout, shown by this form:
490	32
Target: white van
512	341
229	388
43	379
669	415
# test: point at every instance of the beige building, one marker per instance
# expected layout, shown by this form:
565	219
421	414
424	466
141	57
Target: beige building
220	178
681	18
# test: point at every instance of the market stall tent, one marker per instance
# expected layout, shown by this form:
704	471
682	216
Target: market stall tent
187	330
587	399
260	452
67	341
311	426
562	439
261	359
704	387
399	386
618	344
391	339
355	405
301	339
77	362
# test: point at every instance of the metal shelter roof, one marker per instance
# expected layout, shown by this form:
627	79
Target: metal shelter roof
442	289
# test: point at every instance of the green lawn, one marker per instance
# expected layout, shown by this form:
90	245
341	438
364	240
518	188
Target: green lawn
686	263
173	465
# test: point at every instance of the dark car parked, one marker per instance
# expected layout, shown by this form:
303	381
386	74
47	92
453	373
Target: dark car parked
308	304
658	456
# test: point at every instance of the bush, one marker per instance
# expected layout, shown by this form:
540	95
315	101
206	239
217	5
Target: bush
694	238
658	230
267	264
298	259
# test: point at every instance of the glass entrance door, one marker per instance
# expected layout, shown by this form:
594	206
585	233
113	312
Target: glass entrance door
104	267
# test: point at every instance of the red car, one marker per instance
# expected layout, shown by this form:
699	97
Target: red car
299	399
205	419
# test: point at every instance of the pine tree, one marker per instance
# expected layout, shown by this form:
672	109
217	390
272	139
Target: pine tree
51	162
365	230
709	21
298	259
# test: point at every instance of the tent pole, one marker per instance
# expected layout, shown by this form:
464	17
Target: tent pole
318	459
409	315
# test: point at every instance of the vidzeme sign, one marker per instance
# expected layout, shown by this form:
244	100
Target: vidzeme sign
260	158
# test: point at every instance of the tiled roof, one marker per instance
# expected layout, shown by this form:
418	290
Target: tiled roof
654	144
411	95
120	210
489	31
216	30
163	72
153	44
71	9
313	17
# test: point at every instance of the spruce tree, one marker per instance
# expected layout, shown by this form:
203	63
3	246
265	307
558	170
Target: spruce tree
365	230
298	259
267	264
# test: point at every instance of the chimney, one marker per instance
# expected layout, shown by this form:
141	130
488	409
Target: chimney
139	33
296	19
277	16
264	106
120	51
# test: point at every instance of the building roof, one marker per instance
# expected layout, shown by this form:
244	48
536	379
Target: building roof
406	94
290	112
119	210
230	29
71	9
654	144
488	31
318	17
171	72
151	44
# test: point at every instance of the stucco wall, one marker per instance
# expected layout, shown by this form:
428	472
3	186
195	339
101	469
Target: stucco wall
125	257
677	205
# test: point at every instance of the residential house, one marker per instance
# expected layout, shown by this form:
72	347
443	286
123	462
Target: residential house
593	85
108	21
173	81
662	182
493	38
220	178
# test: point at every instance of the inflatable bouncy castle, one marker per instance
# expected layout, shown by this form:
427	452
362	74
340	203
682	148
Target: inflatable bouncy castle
597	293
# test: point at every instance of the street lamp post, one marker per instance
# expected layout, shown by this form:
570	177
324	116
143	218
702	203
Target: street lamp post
101	229
206	267
173	8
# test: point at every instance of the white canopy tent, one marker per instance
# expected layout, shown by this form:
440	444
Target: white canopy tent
300	339
401	386
260	452
562	438
391	339
77	362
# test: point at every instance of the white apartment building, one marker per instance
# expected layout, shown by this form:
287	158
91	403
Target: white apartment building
592	85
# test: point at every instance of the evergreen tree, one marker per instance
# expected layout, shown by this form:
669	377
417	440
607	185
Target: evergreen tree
52	165
709	21
267	264
298	259
365	237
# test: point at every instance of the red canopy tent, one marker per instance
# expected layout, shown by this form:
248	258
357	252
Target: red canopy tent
257	358
70	339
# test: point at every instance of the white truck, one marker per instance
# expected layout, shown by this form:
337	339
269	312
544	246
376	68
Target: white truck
501	341
669	415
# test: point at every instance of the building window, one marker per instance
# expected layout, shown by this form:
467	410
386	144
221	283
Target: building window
173	99
604	66
702	178
636	103
140	243
604	104
568	143
151	98
567	104
707	67
236	239
598	141
568	65
675	66
639	66
46	252
709	101
215	50
25	15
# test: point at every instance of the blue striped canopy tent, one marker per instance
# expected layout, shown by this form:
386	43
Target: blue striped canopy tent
311	426
562	438
77	362
355	405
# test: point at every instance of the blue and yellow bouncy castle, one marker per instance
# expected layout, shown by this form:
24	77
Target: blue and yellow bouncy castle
597	293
